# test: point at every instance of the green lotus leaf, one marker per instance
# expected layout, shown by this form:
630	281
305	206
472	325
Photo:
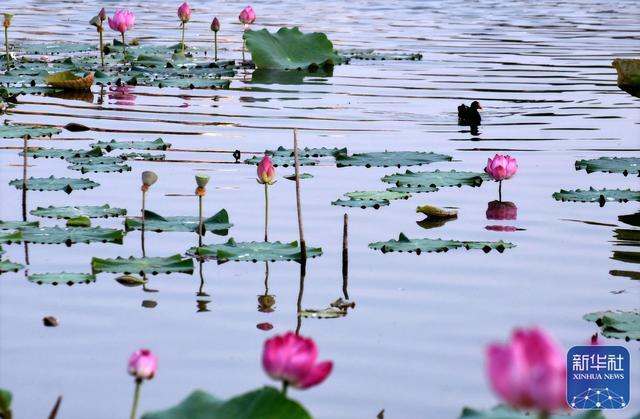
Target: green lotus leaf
404	244
57	153
62	278
8	238
264	403
19	131
55	184
5	403
142	156
109	146
217	224
103	211
16	225
624	165
302	176
436	179
617	324
390	158
71	235
54	48
8	266
143	266
283	161
324	313
2	251
81	221
371	55
306	152
370	199
100	168
413	189
601	196
290	49
361	203
253	251
504	412
94	161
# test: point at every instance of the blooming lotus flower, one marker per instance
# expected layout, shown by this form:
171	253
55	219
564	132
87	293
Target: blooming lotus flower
501	167
184	12
215	24
529	372
247	16
122	21
266	171
292	359
497	210
143	364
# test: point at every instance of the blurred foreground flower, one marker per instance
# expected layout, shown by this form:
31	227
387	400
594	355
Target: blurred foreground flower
142	365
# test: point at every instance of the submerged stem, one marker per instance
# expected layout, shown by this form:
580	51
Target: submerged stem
136	396
266	212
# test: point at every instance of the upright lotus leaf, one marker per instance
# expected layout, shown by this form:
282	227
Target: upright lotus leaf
253	251
19	131
71	235
217	224
504	412
624	165
435	179
306	152
370	199
62	278
8	266
100	168
16	225
290	49
57	153
404	244
264	403
103	211
390	158
109	146
142	266
601	196
9	238
617	324
55	184
283	161
142	156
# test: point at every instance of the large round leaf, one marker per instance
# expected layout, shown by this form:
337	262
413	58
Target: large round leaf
142	266
617	324
254	251
103	211
54	184
405	244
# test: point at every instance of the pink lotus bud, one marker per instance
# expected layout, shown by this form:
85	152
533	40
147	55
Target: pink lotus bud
529	372
266	171
501	167
504	210
292	358
122	21
215	24
102	14
247	16
143	364
184	12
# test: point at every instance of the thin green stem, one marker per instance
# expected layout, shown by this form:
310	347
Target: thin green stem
200	226
266	212
244	41
215	43
101	48
136	397
124	49
183	25
285	387
7	56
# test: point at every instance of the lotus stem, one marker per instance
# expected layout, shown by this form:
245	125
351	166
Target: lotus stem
7	56
183	27
200	226
285	386
303	245
215	46
136	397
24	177
266	212
101	47
124	49
345	256
144	198
500	191
244	41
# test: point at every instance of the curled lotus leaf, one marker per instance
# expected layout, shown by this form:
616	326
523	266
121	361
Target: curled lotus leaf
284	161
624	165
72	235
143	266
306	152
58	153
62	278
435	212
602	196
217	224
81	221
109	146
390	158
68	80
405	244
54	184
435	179
20	131
8	266
617	324
100	168
102	211
131	280
16	225
253	251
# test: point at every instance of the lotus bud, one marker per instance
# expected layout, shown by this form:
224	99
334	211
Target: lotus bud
103	14
184	13
247	16
215	24
7	19
266	171
149	178
142	364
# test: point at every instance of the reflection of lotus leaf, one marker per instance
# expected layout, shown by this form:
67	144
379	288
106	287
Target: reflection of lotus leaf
142	266
254	251
218	223
617	324
62	278
404	244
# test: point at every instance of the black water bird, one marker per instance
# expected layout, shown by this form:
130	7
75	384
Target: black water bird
469	115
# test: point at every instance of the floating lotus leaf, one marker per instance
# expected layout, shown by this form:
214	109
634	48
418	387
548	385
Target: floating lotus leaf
254	251
103	211
301	176
361	203
413	189
306	152
8	266
264	403
371	55
68	80
290	49
100	168
55	184
71	235
53	48
617	324
370	199
601	196
217	224
404	244
142	156
624	165
62	278
8	238
284	161
390	158
109	146
143	266
94	161
503	412
79	222
19	131
435	179
324	313
16	225
57	153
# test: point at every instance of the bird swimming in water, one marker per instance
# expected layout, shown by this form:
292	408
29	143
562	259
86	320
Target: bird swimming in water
469	115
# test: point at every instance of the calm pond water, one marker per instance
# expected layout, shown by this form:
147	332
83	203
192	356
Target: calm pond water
414	344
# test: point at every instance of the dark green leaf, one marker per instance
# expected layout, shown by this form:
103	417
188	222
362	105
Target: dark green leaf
55	184
617	324
5	402
8	238
142	266
104	211
404	244
624	165
254	251
218	224
390	158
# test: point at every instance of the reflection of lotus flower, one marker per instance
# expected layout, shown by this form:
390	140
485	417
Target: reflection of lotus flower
501	228
184	12
266	171
143	364
122	21
247	16
529	372
264	326
497	210
292	359
501	167
149	178
122	95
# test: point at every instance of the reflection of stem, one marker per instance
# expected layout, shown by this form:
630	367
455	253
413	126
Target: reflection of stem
345	257
101	98
215	42
6	46
285	386
136	396
200	226
24	177
200	292
266	212
183	25
266	277
303	245
500	191
303	272
124	49
101	47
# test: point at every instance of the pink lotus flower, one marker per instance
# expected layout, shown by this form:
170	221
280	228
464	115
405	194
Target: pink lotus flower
501	167
122	21
292	359
497	210
266	171
529	372
184	12
247	16
143	364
